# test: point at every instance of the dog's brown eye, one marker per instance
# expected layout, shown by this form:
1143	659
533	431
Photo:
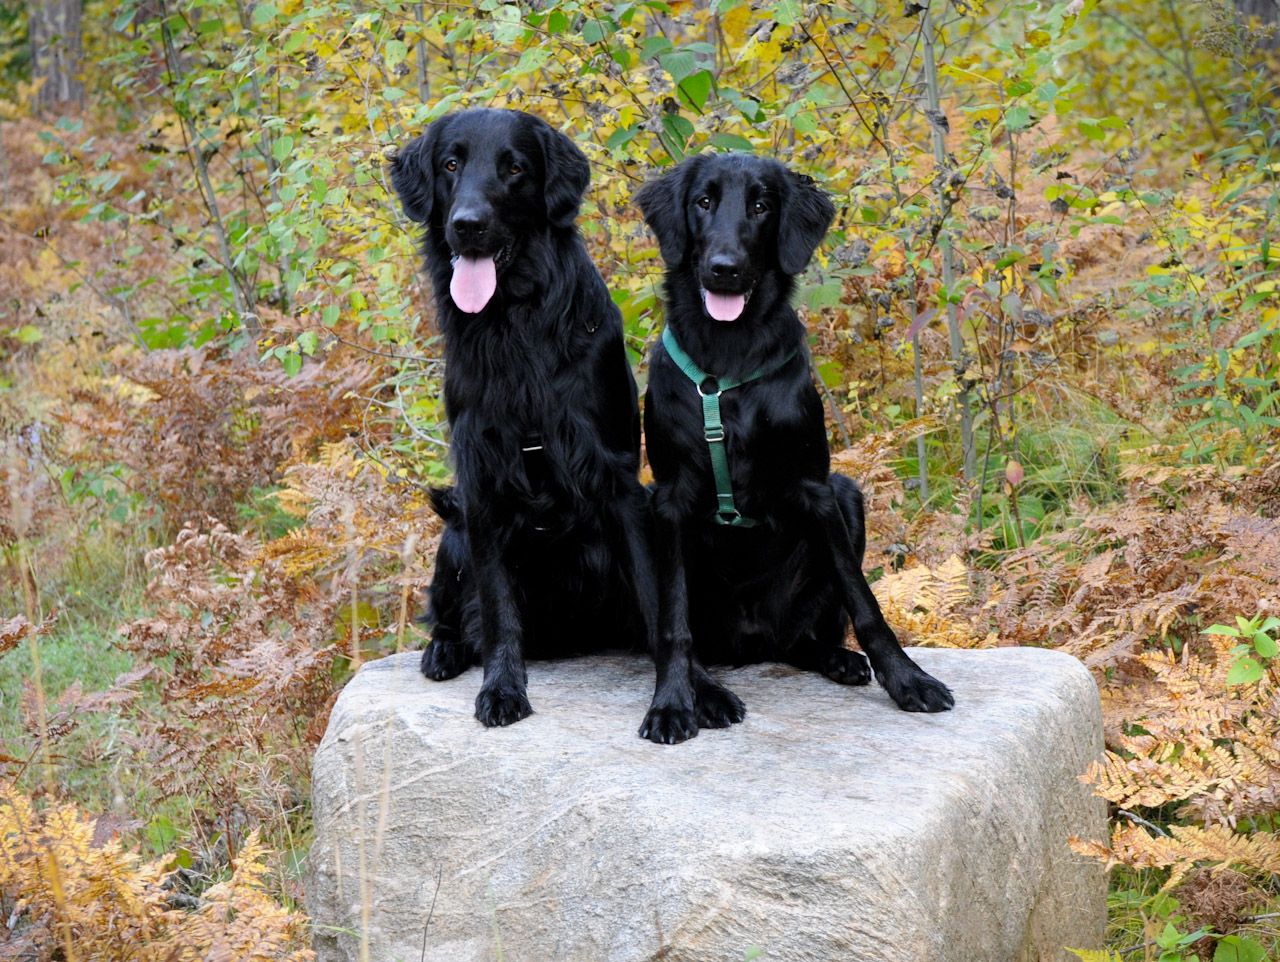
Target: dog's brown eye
513	169
759	207
451	165
704	203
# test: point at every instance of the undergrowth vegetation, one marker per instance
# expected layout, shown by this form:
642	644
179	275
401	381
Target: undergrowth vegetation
1045	321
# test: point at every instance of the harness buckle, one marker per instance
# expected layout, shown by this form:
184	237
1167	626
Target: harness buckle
709	379
714	433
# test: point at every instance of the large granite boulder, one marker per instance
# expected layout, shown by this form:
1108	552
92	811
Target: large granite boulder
828	827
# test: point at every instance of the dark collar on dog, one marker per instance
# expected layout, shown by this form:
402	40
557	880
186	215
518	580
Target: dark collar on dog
710	388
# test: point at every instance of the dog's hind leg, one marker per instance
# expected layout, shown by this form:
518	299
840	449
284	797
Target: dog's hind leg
824	652
816	623
838	514
809	620
827	654
717	706
450	651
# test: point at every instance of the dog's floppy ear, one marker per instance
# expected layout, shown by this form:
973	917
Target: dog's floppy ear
662	202
806	214
413	173
567	176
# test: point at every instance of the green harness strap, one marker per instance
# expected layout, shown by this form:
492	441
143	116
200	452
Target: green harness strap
726	512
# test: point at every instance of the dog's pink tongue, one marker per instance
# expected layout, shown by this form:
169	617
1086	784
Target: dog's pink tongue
725	307
474	281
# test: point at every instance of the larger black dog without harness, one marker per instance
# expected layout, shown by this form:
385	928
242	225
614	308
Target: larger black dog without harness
544	552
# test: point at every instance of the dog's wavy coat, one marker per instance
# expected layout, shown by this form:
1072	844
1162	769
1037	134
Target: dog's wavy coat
734	231
544	549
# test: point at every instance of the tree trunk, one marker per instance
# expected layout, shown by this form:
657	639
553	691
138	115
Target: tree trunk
57	51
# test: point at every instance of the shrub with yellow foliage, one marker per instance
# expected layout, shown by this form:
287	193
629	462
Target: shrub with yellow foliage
79	892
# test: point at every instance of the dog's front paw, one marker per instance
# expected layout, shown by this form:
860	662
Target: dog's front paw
718	707
847	667
502	706
442	660
917	690
669	724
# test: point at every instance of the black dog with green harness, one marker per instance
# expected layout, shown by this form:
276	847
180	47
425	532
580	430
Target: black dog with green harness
758	546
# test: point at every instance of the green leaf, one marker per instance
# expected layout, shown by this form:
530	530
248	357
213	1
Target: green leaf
1092	130
1170	937
750	109
727	141
1017	118
678	63
680	128
622	136
308	341
1233	948
1246	671
696	88
826	294
653	46
464	31
394	53
787	12
1264	644
28	334
282	148
532	59
289	358
1048	285
161	834
592	31
832	373
329	315
1221	630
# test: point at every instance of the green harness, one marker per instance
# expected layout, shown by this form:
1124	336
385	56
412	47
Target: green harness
726	512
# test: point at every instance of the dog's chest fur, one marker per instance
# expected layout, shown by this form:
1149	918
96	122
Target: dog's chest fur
519	390
774	437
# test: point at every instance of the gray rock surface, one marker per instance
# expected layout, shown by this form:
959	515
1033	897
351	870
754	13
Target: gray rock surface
827	827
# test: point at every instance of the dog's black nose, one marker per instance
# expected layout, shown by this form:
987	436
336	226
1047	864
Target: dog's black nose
725	267
468	223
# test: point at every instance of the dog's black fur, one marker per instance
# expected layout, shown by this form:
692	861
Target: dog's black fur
544	552
734	224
